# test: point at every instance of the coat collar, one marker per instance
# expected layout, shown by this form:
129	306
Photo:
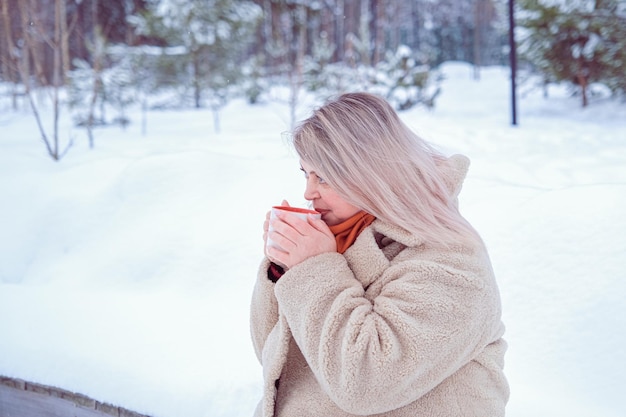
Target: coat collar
366	259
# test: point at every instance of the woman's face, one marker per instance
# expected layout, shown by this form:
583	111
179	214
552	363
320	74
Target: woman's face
325	200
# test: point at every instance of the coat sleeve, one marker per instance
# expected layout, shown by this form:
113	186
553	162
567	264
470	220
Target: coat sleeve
263	309
375	352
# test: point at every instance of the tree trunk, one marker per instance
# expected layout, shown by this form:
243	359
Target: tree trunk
341	34
582	81
56	70
416	18
478	29
24	70
8	58
98	52
24	65
64	41
195	57
326	25
394	27
379	42
299	19
30	20
364	33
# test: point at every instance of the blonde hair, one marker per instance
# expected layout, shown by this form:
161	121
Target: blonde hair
362	149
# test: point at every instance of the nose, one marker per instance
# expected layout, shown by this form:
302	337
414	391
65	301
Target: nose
311	192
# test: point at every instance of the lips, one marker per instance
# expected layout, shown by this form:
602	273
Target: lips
321	211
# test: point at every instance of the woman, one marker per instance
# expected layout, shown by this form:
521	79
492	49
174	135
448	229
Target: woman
387	305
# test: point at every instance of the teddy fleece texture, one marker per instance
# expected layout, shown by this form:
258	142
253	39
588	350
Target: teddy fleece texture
393	327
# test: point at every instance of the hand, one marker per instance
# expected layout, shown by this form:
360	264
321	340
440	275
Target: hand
299	239
266	226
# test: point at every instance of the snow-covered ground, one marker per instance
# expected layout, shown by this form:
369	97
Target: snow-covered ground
126	271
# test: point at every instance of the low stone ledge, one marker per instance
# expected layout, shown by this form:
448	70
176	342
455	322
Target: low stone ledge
19	398
13	382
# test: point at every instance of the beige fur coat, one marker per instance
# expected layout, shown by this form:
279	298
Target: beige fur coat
390	328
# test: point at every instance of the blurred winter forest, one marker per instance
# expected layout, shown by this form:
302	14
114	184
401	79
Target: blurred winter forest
94	59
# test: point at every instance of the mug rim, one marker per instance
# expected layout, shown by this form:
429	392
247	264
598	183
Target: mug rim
295	209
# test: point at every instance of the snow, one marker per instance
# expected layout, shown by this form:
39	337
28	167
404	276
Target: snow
126	271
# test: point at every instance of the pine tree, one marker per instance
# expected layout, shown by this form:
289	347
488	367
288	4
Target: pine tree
213	35
580	42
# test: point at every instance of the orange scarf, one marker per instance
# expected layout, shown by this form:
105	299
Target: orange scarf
347	231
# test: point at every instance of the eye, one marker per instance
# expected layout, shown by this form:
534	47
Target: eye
320	180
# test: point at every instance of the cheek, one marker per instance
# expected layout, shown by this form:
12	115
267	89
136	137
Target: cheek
344	210
349	210
341	209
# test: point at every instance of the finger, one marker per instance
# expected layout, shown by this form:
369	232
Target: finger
283	234
285	203
266	225
276	254
289	218
318	224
